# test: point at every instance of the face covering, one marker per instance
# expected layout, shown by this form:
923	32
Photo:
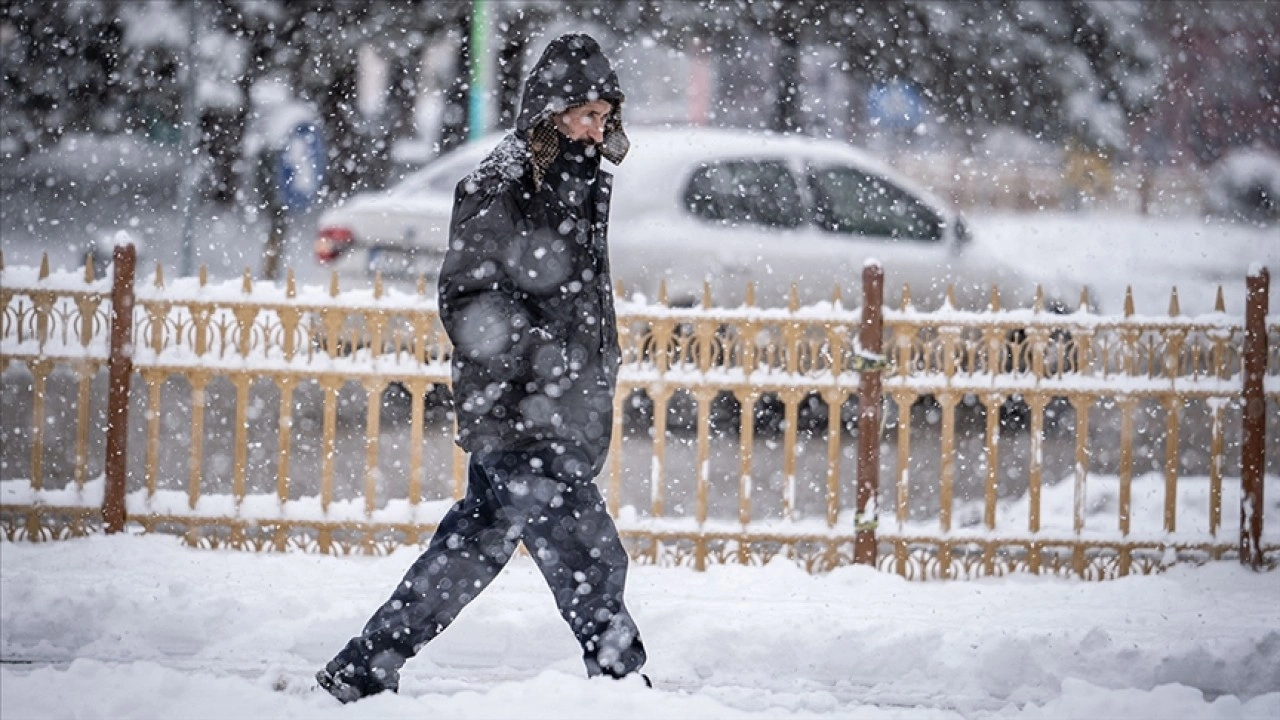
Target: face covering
573	172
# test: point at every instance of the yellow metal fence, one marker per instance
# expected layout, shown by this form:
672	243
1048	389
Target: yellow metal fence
277	417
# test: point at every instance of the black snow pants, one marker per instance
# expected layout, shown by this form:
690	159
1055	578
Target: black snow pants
544	498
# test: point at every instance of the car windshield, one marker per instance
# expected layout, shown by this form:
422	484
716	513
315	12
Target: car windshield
440	176
759	192
849	201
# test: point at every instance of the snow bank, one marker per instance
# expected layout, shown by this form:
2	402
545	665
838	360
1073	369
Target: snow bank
131	626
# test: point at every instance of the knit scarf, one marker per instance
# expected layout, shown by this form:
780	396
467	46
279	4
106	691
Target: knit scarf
572	173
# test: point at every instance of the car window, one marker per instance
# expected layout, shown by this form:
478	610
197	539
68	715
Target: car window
847	200
758	192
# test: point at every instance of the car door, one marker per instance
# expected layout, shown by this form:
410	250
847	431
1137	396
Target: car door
751	211
861	215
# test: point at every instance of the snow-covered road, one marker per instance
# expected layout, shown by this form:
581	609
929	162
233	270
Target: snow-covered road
141	627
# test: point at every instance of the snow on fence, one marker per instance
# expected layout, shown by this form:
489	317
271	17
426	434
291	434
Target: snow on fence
266	417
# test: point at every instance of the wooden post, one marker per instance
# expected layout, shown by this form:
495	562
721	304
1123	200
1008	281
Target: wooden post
119	373
1253	445
871	338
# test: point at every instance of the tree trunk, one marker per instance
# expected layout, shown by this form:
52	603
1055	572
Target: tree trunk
273	253
457	115
345	145
402	96
787	107
221	130
511	69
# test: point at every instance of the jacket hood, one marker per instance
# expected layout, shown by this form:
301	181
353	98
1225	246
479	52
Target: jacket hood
573	70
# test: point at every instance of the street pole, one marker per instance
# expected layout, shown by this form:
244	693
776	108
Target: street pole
478	111
190	145
1253	445
120	374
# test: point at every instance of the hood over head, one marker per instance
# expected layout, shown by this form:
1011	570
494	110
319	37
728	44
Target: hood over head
572	71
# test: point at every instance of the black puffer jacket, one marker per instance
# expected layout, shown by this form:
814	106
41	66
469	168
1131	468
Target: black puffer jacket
525	293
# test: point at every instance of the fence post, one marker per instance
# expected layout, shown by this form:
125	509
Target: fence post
1253	446
119	373
871	338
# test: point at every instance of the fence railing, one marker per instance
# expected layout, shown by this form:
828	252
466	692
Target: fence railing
275	417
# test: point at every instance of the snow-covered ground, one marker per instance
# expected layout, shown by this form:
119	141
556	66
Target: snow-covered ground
141	627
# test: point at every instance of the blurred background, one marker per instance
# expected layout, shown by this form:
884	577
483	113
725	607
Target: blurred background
159	119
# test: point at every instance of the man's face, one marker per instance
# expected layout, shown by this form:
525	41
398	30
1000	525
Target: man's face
585	123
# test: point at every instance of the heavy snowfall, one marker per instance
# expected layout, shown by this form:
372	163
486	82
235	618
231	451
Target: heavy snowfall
1101	149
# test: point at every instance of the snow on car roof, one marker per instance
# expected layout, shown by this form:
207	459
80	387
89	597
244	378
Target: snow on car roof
661	155
728	142
669	147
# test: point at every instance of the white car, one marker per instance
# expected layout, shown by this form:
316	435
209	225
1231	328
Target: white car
695	205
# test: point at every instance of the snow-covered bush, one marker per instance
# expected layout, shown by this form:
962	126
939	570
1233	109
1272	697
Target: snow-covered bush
1245	185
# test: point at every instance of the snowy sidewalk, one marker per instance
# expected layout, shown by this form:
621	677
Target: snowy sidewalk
141	627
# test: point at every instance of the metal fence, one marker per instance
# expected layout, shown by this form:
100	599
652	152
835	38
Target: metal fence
259	417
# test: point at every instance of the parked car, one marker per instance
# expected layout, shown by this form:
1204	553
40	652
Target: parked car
724	207
1245	185
695	205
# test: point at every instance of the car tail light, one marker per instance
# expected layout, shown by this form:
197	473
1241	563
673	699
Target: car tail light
331	242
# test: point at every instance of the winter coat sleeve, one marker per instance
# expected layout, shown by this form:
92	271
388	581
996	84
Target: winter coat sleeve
478	304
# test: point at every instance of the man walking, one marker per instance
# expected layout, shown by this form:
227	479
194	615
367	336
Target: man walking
526	299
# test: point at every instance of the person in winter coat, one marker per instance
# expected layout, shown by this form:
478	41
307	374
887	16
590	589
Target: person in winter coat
526	299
